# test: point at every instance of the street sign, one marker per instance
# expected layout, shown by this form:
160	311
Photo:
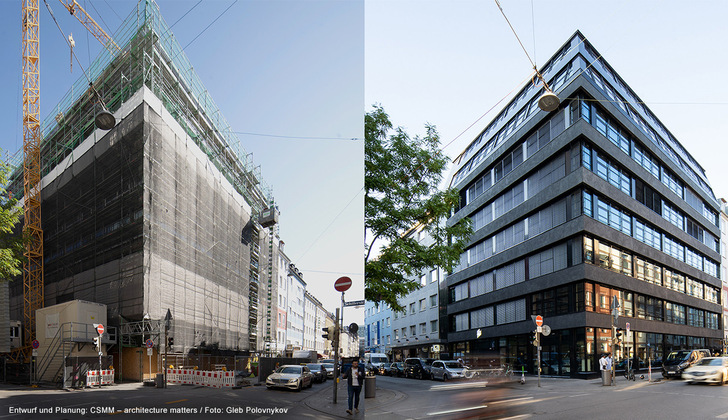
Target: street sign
99	328
35	344
354	303
539	320
546	330
628	328
342	284
539	329
150	351
149	343
35	353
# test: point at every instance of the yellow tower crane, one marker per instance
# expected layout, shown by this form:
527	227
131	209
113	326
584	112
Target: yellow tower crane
33	293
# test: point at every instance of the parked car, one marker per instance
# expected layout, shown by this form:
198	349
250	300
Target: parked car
708	369
319	372
393	369
677	361
374	362
329	369
417	367
291	377
446	369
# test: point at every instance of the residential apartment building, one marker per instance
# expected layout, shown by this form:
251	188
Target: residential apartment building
414	332
573	209
378	328
295	295
724	268
314	322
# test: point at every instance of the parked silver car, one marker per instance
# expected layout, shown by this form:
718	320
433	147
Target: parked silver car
446	369
329	369
290	376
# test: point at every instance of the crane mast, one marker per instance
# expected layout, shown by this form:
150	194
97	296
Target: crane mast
33	265
33	291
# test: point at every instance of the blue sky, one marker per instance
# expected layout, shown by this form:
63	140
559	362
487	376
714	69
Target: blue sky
448	62
287	68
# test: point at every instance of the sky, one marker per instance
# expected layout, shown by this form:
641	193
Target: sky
278	68
449	62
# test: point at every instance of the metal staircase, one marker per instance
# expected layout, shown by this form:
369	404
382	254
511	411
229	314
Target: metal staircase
70	336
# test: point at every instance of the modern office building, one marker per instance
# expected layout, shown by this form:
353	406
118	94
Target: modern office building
573	209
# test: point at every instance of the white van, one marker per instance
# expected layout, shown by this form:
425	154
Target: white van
375	361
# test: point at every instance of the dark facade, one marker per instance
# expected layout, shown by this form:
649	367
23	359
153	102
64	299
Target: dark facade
572	208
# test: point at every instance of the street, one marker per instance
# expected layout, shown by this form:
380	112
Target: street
396	399
557	398
133	400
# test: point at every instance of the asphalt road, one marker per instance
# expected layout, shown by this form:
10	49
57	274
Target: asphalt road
127	401
557	398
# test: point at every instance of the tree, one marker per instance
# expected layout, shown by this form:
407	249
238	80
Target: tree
11	246
402	176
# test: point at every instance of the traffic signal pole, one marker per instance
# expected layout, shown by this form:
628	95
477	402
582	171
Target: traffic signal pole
336	354
538	351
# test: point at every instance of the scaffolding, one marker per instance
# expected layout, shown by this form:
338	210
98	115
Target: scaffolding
148	216
152	57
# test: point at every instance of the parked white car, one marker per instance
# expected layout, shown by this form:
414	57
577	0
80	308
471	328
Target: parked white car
446	369
708	369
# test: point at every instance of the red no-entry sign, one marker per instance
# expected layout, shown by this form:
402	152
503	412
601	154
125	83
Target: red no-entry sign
100	329
342	284
539	320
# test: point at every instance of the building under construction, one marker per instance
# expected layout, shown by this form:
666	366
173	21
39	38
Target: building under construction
163	212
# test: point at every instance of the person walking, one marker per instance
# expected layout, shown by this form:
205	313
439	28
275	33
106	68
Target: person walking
354	380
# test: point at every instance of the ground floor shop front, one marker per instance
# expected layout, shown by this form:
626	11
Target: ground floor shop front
575	352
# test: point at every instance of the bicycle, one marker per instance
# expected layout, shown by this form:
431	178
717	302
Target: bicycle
629	374
508	371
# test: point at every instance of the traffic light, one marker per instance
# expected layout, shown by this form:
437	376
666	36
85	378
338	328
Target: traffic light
170	342
326	336
97	343
618	336
535	339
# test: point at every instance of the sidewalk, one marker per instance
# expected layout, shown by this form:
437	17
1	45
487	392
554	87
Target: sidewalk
322	400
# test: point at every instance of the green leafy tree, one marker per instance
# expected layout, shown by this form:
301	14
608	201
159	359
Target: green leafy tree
402	176
11	245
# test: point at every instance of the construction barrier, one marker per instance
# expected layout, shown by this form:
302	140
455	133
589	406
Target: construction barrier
93	378
208	378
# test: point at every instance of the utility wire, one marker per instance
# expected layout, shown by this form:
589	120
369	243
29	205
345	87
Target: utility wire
114	11
91	85
208	26
100	15
514	33
177	21
533	30
330	224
